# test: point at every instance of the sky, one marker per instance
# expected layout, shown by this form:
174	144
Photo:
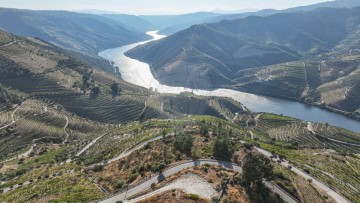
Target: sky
152	7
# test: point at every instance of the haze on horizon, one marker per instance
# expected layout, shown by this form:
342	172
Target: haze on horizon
145	7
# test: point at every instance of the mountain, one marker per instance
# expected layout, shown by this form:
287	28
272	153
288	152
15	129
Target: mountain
253	54
69	132
81	32
132	22
169	24
268	12
215	17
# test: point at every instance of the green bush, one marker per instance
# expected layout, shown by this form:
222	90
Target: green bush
133	177
119	184
193	196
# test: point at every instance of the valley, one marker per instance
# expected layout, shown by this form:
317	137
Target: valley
140	74
250	107
304	70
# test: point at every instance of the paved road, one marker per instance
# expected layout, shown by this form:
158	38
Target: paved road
329	191
127	153
146	185
169	172
90	144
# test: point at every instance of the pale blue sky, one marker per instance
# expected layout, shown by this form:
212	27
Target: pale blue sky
154	6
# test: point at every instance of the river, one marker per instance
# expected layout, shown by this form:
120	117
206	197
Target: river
139	73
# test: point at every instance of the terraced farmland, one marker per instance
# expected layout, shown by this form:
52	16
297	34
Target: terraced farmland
188	104
122	139
103	108
39	122
310	135
36	85
5	116
286	80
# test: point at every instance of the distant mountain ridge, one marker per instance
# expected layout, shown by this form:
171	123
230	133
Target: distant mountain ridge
262	13
231	46
76	31
268	12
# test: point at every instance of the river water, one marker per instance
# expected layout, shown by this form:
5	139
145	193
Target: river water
139	73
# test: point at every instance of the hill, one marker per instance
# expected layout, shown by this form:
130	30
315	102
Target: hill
243	54
268	12
169	24
81	32
133	22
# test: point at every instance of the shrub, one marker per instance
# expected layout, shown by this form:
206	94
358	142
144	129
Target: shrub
98	168
133	177
161	167
119	184
193	196
307	171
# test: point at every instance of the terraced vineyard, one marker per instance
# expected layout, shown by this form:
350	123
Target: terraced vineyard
189	104
36	85
123	138
309	135
39	122
123	108
5	116
286	80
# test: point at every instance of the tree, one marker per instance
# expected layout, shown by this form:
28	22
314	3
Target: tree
142	117
256	168
188	144
163	133
184	143
308	100
95	90
223	149
115	88
204	130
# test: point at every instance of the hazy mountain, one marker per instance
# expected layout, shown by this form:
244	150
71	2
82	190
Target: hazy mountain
221	50
221	15
133	22
268	12
170	24
77	31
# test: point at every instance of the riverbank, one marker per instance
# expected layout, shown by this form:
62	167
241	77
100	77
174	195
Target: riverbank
140	73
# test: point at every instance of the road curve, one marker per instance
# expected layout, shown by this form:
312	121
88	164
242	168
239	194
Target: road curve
90	144
338	198
173	170
128	152
169	172
12	116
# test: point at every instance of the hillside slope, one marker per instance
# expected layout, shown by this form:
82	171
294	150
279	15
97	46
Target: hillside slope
277	56
80	32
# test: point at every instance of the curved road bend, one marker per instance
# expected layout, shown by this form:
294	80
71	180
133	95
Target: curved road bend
171	171
13	116
128	152
329	191
123	154
141	187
